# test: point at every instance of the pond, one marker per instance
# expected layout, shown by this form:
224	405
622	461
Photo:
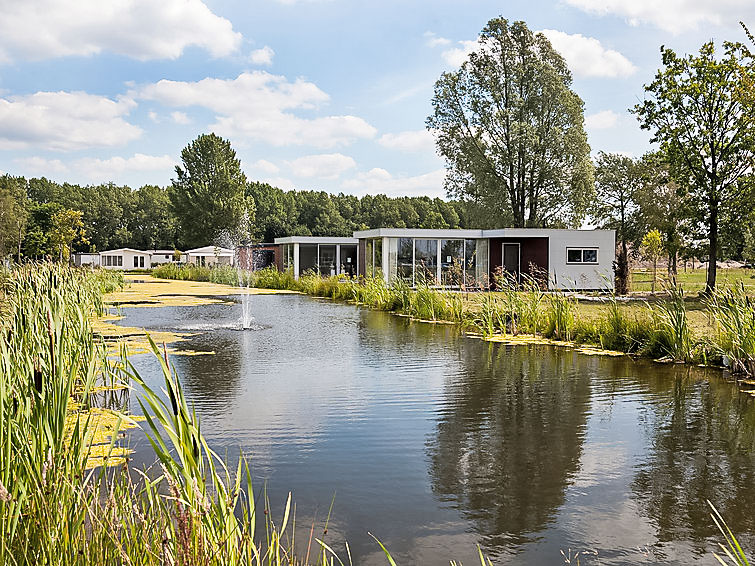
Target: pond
436	442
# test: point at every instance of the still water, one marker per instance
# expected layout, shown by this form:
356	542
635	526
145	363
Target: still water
436	442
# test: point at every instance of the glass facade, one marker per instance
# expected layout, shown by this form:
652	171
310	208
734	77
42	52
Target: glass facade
307	258
327	259
425	262
452	262
405	260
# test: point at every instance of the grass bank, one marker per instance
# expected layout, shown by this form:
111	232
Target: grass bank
719	330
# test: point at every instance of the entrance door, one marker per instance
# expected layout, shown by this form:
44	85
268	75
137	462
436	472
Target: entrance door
511	260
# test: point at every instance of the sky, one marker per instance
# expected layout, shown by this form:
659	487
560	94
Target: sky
313	94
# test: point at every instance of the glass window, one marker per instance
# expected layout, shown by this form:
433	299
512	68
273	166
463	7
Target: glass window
307	258
581	255
368	258
470	255
589	256
349	260
452	262
482	273
405	259
136	261
120	260
425	261
327	260
378	262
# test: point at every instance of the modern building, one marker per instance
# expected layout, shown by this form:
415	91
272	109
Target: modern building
159	257
322	254
566	259
80	259
209	256
125	258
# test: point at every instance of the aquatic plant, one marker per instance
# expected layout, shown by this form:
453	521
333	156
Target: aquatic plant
734	315
672	327
560	316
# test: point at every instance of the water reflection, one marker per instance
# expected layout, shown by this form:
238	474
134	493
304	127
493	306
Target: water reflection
702	448
509	439
436	442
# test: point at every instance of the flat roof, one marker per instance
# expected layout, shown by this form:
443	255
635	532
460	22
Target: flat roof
124	250
210	250
457	233
419	233
316	240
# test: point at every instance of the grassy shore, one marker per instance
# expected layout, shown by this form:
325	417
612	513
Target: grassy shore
719	330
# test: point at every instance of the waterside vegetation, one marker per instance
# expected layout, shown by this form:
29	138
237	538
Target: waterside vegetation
717	330
67	494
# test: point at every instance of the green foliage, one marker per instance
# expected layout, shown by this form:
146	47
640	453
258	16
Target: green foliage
652	248
208	193
14	212
672	327
700	110
511	131
734	313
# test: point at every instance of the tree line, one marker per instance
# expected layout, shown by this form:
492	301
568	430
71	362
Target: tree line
511	130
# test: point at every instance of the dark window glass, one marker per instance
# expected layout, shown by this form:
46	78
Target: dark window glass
574	256
589	256
327	260
368	258
470	255
452	262
404	267
307	258
378	265
425	261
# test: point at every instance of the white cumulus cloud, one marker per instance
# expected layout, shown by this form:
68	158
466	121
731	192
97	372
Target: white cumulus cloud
587	57
602	120
141	29
409	140
379	181
102	170
259	106
322	166
434	40
262	56
265	166
674	16
180	117
65	121
35	165
456	56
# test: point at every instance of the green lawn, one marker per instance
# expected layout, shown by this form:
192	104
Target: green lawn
692	280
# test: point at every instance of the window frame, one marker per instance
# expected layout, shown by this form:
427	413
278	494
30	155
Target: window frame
582	249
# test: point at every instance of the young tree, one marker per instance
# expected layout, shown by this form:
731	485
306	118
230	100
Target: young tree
512	131
208	193
617	180
66	228
702	112
652	248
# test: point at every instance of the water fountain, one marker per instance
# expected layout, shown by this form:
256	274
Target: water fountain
232	239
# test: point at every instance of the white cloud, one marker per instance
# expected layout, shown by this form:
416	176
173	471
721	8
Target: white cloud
141	29
456	56
323	166
102	170
65	121
262	56
260	106
153	116
98	170
602	120
180	117
36	165
587	57
265	166
674	16
280	182
433	40
410	140
380	181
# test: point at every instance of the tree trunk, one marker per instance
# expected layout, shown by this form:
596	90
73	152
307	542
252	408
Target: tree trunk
621	269
710	282
655	272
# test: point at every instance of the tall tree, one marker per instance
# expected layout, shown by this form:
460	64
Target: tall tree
66	228
512	131
208	193
151	221
702	112
617	180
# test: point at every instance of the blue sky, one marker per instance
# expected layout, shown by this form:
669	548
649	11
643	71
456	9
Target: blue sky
313	94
